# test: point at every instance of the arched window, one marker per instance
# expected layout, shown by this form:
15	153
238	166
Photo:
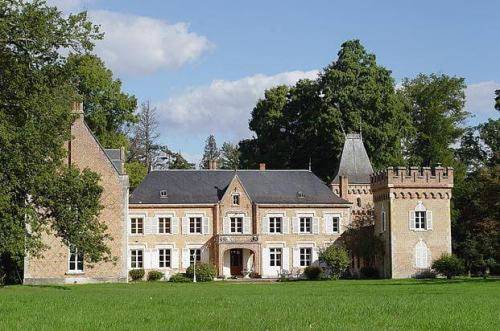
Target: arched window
420	218
358	202
421	255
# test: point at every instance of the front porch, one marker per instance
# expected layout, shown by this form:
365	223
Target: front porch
238	255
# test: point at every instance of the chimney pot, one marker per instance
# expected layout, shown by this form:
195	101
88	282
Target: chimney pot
262	166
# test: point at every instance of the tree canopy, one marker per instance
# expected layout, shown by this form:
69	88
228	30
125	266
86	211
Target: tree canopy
211	152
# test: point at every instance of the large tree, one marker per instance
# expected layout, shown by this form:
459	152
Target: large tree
229	156
211	152
35	119
144	146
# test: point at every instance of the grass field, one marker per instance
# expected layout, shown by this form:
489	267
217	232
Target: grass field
354	305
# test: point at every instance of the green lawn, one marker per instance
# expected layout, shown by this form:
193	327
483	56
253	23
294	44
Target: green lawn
354	305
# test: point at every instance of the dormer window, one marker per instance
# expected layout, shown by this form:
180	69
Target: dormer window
236	199
301	195
163	193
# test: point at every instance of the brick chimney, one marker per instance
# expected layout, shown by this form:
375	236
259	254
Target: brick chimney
212	165
344	186
262	166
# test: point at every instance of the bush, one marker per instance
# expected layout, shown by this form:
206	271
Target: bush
179	278
154	275
369	272
136	274
449	266
337	260
204	272
426	274
313	272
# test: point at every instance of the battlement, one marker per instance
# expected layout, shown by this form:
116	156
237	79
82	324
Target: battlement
413	177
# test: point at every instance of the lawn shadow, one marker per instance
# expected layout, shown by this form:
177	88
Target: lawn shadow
55	287
439	281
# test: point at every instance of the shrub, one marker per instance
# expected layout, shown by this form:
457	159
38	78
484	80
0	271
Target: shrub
337	260
426	274
154	275
369	272
179	278
204	272
313	272
448	265
136	274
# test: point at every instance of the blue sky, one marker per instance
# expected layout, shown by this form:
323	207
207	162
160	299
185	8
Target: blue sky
205	63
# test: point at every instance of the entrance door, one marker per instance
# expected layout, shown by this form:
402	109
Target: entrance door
236	262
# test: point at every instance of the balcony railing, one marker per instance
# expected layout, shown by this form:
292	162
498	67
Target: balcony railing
237	238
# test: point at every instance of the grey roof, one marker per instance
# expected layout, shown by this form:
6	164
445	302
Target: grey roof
208	186
354	162
115	156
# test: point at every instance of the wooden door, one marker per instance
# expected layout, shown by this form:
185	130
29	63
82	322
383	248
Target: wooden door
236	263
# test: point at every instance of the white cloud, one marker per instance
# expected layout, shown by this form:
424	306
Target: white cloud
224	106
142	45
480	100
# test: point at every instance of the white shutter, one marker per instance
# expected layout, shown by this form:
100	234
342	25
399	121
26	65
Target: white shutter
147	225
185	257
148	254
175	225
286	225
295	225
315	225
154	259
411	219
328	224
185	225
175	258
265	225
154	225
285	258
205	225
225	225
265	261
296	257
315	255
247	225
429	220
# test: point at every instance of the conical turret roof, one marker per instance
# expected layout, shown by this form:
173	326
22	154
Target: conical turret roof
354	162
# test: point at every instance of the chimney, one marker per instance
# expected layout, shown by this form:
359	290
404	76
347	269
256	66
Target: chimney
77	107
344	185
212	165
262	166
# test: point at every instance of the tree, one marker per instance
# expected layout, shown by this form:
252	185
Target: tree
436	104
145	134
336	258
107	109
448	265
497	100
173	160
136	172
211	152
35	120
230	156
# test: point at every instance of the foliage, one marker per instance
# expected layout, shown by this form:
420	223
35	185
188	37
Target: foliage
497	100
336	259
448	265
426	274
210	153
180	278
229	156
107	109
143	146
136	172
313	272
436	104
361	240
173	160
136	274
369	272
205	272
155	275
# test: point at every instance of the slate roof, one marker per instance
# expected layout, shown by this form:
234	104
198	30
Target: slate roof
115	156
208	186
354	162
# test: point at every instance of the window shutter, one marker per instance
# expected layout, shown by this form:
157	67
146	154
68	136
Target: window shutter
265	225
411	219
247	225
175	258
148	254
285	258
429	220
147	225
225	225
295	225
154	225
315	251
205	225
265	261
154	259
185	225
185	257
296	257
175	225
328	224
286	225
340	224
315	225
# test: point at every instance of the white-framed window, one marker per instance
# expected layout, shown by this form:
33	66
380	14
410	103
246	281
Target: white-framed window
236	199
305	256
194	253
236	224
275	224
164	258
137	258
305	224
384	220
164	225
275	257
421	255
195	224
137	225
420	220
335	224
75	260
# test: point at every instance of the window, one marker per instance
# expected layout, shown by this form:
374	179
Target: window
421	257
75	260
236	199
383	221
275	224
275	257
236	224
195	225
305	257
164	225
163	194
137	225
164	258
335	224
305	224
136	258
194	253
358	202
420	220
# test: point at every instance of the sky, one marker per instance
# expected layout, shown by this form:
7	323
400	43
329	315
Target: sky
204	64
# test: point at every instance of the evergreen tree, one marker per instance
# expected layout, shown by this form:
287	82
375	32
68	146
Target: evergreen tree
211	152
144	147
230	156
